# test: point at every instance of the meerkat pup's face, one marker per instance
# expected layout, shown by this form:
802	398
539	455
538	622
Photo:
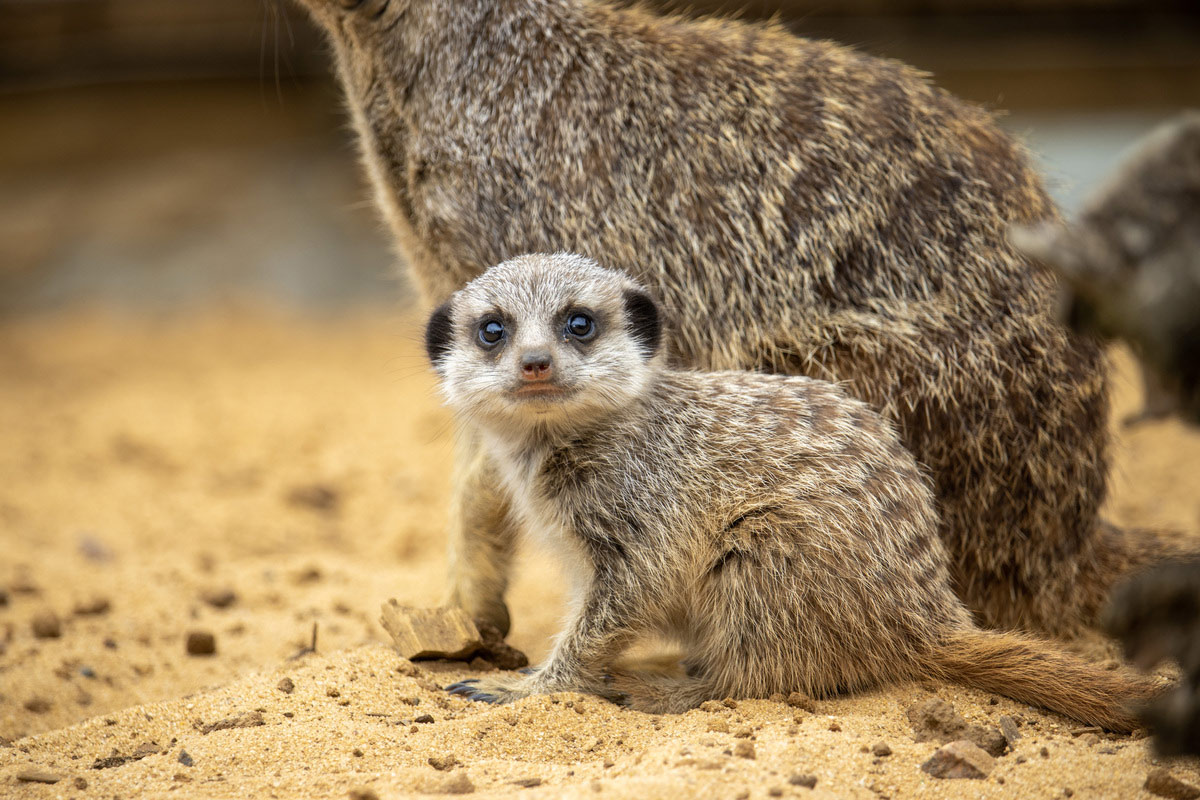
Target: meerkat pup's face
550	341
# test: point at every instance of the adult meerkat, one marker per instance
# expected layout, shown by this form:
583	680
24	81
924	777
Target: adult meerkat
773	525
798	207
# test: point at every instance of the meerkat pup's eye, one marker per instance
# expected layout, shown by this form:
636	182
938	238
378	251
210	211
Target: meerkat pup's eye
491	331
581	326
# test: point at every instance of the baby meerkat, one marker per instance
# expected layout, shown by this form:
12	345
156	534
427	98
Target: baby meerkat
774	526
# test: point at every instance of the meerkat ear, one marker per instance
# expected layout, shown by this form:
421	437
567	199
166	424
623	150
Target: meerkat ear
438	333
644	323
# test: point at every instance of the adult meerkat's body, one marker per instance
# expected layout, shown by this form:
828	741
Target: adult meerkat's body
774	526
797	206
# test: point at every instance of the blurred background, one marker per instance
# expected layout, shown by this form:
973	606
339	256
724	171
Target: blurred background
164	153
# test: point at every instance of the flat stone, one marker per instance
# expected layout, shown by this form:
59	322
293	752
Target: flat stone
430	632
961	759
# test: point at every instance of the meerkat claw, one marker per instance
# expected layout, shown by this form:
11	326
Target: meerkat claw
483	697
462	687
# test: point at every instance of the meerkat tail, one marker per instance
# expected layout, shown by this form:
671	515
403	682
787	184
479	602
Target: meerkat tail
1039	673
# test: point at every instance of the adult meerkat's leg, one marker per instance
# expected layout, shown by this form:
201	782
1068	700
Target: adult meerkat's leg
483	536
1018	457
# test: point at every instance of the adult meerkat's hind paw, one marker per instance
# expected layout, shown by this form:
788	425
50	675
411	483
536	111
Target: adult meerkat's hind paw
656	693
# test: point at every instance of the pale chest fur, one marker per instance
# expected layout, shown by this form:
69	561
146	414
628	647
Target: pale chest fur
541	516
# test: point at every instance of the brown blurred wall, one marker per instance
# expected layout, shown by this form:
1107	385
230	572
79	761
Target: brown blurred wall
1017	53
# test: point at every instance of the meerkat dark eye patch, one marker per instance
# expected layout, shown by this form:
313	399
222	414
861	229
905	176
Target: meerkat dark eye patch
643	320
439	332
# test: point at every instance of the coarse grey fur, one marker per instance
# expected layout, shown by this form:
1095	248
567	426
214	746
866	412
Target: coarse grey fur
1131	262
798	207
774	526
1156	615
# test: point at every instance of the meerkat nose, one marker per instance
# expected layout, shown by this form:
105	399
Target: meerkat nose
536	366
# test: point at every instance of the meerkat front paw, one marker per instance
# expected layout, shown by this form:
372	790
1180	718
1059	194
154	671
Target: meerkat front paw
510	686
502	688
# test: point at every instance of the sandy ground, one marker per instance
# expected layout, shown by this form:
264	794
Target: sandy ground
300	467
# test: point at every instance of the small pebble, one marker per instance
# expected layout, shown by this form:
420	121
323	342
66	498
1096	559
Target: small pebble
37	705
807	781
527	783
201	643
185	759
81	783
833	726
363	793
881	749
357	752
424	719
286	685
219	598
744	749
309	575
775	791
1008	727
47	625
801	701
315	496
35	775
442	763
92	607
